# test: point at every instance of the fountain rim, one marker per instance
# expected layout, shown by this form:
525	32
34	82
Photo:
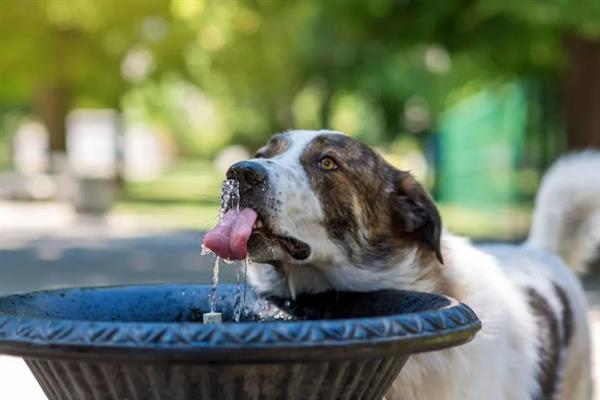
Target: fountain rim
450	325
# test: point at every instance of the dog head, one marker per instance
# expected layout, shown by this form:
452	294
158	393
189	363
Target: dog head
334	214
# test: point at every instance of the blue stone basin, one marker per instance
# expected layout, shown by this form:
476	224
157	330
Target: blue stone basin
148	342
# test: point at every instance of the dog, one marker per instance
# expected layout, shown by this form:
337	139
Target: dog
324	211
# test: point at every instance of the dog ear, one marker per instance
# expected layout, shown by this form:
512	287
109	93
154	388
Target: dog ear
415	215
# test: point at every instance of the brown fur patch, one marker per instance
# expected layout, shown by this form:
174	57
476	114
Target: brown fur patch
351	195
277	145
416	214
362	201
567	315
549	346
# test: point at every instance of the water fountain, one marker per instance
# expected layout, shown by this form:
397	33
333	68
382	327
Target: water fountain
149	342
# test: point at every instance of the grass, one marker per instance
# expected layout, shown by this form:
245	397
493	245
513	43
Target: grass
188	181
508	223
186	196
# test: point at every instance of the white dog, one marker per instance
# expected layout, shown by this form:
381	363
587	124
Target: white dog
323	211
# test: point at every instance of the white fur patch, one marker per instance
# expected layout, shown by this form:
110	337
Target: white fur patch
567	213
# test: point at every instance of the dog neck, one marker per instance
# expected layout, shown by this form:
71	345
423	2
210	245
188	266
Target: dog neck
413	269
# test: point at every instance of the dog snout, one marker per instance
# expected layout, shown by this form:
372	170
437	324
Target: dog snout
249	174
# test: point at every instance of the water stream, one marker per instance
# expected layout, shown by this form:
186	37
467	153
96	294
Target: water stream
214	284
246	263
237	308
230	198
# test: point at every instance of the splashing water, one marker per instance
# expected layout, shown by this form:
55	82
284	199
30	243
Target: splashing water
269	312
230	196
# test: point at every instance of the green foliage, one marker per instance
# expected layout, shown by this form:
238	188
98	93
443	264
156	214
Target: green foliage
75	44
258	66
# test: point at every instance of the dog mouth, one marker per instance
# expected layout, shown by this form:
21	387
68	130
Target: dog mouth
246	231
263	235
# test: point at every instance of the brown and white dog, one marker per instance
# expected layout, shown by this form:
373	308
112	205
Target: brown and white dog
330	213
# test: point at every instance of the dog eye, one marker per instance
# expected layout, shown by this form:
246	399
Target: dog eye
328	164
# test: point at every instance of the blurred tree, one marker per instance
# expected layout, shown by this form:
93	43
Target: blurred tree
388	51
59	54
269	65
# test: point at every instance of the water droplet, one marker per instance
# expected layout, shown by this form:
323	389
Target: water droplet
205	250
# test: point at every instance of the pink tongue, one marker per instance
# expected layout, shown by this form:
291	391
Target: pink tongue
229	239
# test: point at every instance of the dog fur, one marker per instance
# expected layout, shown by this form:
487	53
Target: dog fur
370	226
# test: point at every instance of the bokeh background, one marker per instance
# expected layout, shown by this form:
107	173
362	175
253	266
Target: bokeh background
119	118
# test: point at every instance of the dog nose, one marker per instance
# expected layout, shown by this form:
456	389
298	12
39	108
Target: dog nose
247	173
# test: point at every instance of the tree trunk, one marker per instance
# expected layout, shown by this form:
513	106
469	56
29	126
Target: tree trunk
391	116
52	103
325	108
582	92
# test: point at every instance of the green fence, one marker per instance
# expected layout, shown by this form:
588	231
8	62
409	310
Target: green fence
481	143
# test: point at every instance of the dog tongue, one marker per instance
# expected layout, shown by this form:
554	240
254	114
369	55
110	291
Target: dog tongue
229	239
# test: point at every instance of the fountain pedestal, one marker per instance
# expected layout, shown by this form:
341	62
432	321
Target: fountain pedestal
148	342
